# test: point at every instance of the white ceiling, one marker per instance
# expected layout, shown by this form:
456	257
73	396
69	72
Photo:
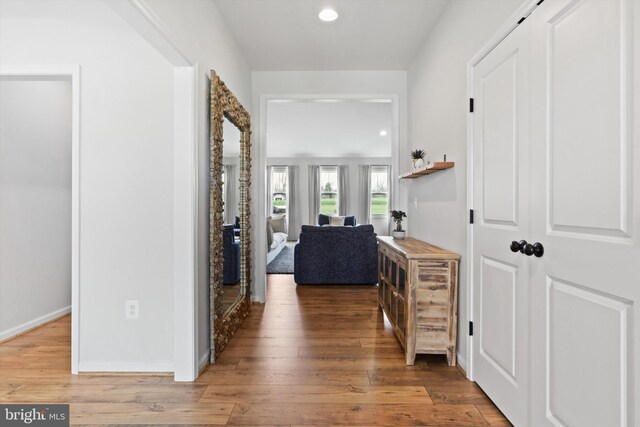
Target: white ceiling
277	35
328	129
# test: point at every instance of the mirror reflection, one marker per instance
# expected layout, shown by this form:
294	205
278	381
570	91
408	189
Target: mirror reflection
231	289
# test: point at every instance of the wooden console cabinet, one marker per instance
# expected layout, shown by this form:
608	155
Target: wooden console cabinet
418	291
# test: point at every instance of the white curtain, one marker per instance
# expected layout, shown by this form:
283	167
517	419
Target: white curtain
390	198
314	193
295	220
230	193
343	184
269	195
364	188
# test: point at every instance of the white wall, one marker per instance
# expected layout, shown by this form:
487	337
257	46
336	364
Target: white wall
297	84
354	200
126	173
200	27
437	122
310	128
35	203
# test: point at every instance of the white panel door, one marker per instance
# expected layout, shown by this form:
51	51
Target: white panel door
500	194
585	194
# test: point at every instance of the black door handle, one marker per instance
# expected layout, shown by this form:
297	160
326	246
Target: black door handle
536	249
518	246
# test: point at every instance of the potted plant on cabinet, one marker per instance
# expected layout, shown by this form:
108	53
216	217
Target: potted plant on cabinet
417	158
397	216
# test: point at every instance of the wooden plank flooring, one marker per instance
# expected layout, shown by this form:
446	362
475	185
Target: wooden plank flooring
313	355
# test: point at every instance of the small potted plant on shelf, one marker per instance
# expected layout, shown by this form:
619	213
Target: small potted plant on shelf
397	216
417	158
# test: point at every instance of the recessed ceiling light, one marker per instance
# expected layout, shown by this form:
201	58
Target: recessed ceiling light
328	15
383	133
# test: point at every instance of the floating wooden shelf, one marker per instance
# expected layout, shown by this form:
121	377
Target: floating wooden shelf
427	170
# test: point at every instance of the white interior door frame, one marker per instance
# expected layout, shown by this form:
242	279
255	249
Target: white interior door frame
71	72
259	292
510	24
186	365
143	19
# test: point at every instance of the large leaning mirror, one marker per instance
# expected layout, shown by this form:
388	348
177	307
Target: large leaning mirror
229	214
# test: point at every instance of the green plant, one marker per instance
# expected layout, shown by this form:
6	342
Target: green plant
397	218
418	154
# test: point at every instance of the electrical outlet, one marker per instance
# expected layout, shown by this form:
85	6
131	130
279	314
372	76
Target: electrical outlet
131	310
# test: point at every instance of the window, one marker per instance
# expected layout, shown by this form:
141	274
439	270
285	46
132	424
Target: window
329	190
279	190
379	191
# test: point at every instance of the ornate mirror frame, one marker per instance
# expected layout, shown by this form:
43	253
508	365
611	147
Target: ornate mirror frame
225	105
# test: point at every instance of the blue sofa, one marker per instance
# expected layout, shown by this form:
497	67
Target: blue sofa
231	256
236	227
336	255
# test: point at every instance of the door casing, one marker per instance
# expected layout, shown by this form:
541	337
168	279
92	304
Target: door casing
510	24
72	72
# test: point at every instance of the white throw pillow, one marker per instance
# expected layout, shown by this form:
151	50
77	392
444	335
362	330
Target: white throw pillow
336	220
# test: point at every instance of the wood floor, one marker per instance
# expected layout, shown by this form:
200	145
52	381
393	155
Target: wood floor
313	355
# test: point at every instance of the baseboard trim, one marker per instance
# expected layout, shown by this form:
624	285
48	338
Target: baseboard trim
33	324
138	367
462	370
204	362
462	365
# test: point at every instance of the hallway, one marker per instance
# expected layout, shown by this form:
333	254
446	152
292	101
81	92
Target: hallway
313	355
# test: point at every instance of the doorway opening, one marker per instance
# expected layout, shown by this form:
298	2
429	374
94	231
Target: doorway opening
323	158
39	216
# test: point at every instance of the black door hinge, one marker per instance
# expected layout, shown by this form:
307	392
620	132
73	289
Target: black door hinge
539	3
470	328
471	216
522	20
471	105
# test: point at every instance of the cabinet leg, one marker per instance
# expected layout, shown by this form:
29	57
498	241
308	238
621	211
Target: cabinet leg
451	356
410	358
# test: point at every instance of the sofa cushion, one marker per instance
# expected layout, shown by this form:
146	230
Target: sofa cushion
323	219
279	224
336	220
326	220
269	233
278	239
364	228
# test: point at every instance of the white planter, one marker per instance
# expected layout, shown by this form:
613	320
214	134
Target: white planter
418	163
398	234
